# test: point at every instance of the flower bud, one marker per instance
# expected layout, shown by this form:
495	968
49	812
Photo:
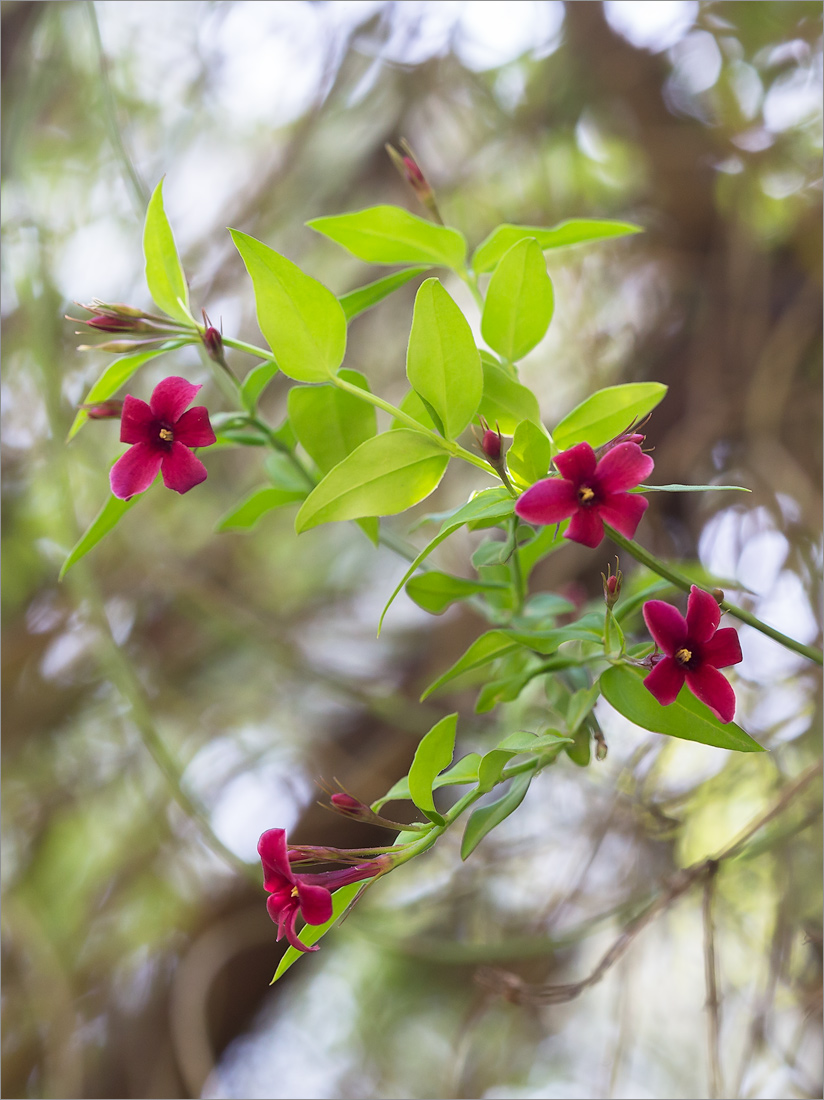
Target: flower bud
103	410
612	585
347	804
409	168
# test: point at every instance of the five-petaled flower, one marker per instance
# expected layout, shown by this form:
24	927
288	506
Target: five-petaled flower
694	650
162	437
590	492
307	895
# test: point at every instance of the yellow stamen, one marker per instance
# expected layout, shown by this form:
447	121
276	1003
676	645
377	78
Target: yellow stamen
294	893
683	656
166	435
585	494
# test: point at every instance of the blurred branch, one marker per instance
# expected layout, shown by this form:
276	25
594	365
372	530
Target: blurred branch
710	976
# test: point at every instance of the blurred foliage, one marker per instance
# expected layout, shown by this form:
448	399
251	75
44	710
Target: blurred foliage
181	691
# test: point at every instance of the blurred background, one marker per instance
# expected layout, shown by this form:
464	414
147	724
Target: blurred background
182	690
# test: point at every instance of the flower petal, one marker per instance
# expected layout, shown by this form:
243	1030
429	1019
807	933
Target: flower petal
666	624
170	398
708	685
193	429
623	511
273	855
623	467
135	470
586	527
547	501
315	903
181	470
703	615
578	463
288	927
665	681
723	648
137	422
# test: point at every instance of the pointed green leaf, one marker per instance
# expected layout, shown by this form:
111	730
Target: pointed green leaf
117	374
311	933
245	515
391	235
607	413
358	301
285	474
106	519
487	504
330	423
434	591
256	382
433	754
302	321
529	456
519	302
524	741
413	406
687	718
489	647
465	771
575	231
442	363
383	476
546	542
164	272
486	818
505	401
688	488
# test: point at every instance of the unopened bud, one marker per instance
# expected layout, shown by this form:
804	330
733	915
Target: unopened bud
612	585
409	168
103	410
349	805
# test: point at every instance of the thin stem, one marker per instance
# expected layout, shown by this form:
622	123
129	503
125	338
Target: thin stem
515	568
471	280
250	349
710	976
684	583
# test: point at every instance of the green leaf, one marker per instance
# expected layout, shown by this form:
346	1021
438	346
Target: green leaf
390	235
413	406
575	231
256	504
465	771
330	423
256	382
485	818
580	751
358	301
117	374
687	488
546	542
284	474
607	413
529	456
519	302
491	768
687	718
302	321
433	754
311	933
580	705
503	690
442	363
487	504
383	476
524	741
108	517
164	273
489	647
434	591
505	401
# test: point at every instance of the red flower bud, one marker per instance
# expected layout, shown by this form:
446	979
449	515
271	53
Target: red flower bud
103	410
491	445
347	804
612	585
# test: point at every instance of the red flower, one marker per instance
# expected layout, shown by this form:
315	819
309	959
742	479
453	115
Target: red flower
305	895
694	651
162	436
592	492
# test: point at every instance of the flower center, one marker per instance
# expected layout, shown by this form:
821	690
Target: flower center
166	434
294	893
683	656
585	494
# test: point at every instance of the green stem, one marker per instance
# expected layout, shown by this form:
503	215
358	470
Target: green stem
515	569
680	581
250	349
471	280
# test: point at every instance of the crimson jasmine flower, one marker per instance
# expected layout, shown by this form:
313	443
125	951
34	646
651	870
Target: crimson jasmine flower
306	895
590	492
162	436
694	650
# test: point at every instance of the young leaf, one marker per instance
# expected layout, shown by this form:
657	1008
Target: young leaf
607	413
503	690
575	231
489	647
302	321
485	818
311	933
529	456
442	362
487	504
109	515
491	768
117	374
433	754
505	401
358	301
256	382
383	476
245	515
331	423
523	741
519	302
390	235
465	771
434	592
164	273
687	717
